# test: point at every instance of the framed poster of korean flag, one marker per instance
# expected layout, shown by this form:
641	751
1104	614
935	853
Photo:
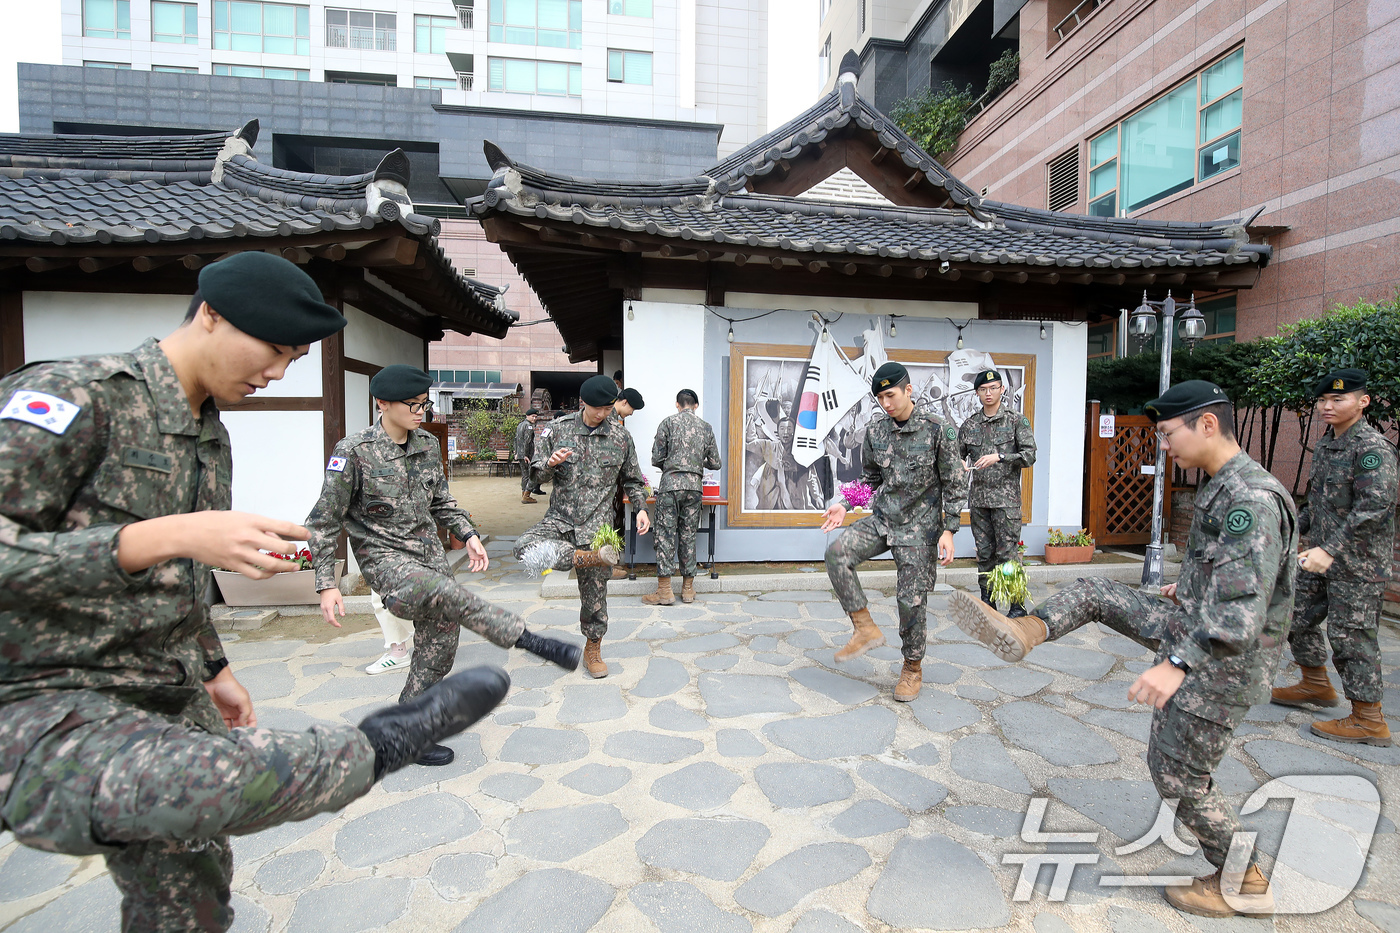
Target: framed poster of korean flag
769	389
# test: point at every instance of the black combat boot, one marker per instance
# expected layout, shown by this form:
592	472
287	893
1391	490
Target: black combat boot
983	588
401	734
554	650
1016	611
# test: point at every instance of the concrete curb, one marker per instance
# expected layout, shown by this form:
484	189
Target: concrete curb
558	586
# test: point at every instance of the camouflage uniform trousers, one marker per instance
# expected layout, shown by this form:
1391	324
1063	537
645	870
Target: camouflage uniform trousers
1351	608
592	581
438	606
677	519
1183	749
159	797
997	533
915	575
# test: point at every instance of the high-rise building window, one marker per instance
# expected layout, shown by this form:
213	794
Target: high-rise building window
554	23
525	76
120	66
441	84
107	19
1184	137
860	27
626	67
430	33
257	71
824	63
250	26
176	69
361	29
174	22
630	8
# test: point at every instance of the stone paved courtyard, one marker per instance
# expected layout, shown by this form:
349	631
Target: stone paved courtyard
729	776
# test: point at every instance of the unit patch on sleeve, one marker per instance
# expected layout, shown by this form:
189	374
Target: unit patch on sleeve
47	411
1239	521
336	465
1370	461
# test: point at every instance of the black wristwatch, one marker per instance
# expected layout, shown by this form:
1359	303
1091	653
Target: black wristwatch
214	668
1176	662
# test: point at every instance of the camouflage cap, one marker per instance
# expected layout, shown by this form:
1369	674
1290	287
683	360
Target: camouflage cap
888	376
984	377
398	382
1184	397
269	298
1341	380
634	398
598	391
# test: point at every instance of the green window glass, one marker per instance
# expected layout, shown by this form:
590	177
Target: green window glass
1223	76
1104	147
630	8
525	76
442	84
553	23
249	26
629	67
174	22
176	69
492	375
1222	116
430	33
255	71
1159	149
107	19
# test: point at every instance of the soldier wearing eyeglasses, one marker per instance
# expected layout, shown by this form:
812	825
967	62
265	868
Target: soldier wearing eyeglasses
385	486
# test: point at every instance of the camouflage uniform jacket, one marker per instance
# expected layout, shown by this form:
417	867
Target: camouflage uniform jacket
1009	434
684	448
1350	509
524	441
70	617
391	502
919	481
1235	590
582	497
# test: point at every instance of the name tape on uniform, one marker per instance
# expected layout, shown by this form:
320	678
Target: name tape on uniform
47	411
336	465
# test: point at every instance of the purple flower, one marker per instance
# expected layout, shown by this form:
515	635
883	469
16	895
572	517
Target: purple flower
858	495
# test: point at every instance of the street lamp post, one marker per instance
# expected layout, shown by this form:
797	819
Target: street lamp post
1142	325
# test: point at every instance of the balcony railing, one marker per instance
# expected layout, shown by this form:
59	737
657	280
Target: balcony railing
464	80
361	37
1076	16
466	16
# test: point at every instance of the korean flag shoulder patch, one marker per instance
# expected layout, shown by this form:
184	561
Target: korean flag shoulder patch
39	408
336	465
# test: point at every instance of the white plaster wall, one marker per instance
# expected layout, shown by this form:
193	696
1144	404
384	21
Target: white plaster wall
278	462
357	403
63	324
1062	445
302	380
664	352
369	339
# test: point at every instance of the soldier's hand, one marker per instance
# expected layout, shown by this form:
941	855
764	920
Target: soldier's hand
331	600
231	699
834	517
1315	560
945	549
559	456
1169	591
476	555
227	540
643	522
985	461
1157	684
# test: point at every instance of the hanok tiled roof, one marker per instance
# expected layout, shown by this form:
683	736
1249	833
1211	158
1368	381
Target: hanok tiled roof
206	195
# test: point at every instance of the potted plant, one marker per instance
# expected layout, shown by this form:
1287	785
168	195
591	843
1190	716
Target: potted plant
1069	547
293	588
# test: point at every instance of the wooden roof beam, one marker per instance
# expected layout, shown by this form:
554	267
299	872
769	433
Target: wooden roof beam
98	263
41	264
394	251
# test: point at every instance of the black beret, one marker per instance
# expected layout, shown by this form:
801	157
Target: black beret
1184	397
269	298
398	382
598	391
531	411
1343	380
984	377
887	376
618	375
634	398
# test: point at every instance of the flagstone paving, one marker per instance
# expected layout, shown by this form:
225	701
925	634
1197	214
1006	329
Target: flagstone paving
731	776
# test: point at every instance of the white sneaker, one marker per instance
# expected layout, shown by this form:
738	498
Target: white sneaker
389	663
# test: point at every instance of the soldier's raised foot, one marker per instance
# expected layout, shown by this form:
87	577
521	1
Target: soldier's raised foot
1009	639
664	595
593	659
911	681
563	653
1315	689
867	635
1225	894
605	556
401	734
1365	726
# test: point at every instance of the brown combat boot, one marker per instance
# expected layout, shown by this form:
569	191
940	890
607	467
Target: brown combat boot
593	658
1365	726
526	498
687	589
1010	639
1315	688
867	635
1247	894
664	596
605	556
911	681
620	572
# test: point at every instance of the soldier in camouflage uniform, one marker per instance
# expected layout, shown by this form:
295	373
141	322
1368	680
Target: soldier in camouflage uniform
586	454
1349	518
1217	648
525	451
390	494
123	731
684	447
910	458
1000	444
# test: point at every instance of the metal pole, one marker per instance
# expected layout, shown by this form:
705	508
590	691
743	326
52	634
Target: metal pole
1152	566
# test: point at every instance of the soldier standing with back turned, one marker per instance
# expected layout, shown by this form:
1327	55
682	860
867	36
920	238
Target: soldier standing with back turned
684	447
1001	444
1216	649
1349	519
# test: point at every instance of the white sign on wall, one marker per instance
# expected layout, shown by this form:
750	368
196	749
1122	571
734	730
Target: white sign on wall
1107	425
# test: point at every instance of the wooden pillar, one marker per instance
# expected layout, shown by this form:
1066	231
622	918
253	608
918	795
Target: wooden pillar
333	396
11	330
